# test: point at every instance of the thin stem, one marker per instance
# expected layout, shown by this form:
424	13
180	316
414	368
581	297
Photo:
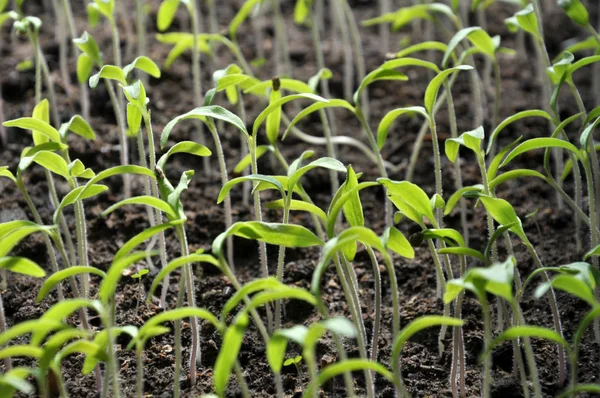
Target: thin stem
486	190
281	260
592	205
358	55
457	173
227	203
487	361
140	30
314	28
555	315
139	385
196	77
120	118
38	219
283	51
348	63
4	328
195	353
377	310
380	165
83	88
262	246
345	270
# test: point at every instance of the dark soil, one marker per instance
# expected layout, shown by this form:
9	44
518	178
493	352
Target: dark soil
426	373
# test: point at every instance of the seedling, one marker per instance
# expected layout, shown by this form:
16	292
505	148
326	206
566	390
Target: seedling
138	275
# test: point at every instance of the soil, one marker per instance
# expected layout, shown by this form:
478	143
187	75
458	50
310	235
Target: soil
426	372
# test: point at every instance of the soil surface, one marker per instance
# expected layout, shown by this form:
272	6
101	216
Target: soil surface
551	229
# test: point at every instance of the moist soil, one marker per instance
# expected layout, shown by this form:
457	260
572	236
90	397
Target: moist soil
426	372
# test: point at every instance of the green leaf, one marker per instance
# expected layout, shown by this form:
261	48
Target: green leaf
166	13
188	147
540	143
88	46
496	279
526	20
113	171
5	172
110	72
339	201
576	11
225	360
10	240
302	11
246	290
85	63
449	235
395	241
134	120
48	160
39	126
79	126
349	365
61	275
504	214
572	285
512	119
247	160
178	313
301	206
179	262
405	15
457	196
470	139
411	195
513	174
143	63
41	112
322	74
262	88
273	122
378	74
273	106
390	118
579	388
480	39
241	16
22	265
21	350
69	199
202	113
353	207
272	182
125	259
516	332
594	252
141	237
423	46
85	347
434	86
416	326
62	310
151	201
325	162
287	235
333	103
464	251
26	327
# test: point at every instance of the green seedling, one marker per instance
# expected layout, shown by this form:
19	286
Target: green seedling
295	361
138	275
307	338
497	280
